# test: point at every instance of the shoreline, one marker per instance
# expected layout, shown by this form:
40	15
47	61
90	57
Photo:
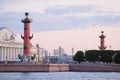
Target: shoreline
59	67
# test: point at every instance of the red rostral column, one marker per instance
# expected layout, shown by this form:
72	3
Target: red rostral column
26	37
102	41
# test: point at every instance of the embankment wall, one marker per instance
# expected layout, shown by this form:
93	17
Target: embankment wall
34	67
59	67
95	67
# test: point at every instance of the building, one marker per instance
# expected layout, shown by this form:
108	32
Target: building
6	35
60	54
10	48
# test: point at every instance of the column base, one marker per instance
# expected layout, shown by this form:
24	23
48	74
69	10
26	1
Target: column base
25	58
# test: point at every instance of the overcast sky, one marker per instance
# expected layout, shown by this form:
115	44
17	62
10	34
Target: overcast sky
66	23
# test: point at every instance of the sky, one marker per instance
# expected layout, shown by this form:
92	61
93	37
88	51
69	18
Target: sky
65	23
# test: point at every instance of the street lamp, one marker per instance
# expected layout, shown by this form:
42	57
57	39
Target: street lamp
37	45
110	47
38	55
49	57
72	53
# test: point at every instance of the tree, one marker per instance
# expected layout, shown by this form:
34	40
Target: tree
117	57
106	56
92	55
79	56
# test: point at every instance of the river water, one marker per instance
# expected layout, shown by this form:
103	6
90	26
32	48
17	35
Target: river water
60	76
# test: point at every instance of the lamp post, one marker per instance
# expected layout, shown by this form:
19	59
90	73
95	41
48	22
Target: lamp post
38	55
37	45
110	47
42	56
49	57
72	52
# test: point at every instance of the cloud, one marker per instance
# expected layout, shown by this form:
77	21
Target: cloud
41	22
41	5
50	22
61	18
21	6
61	10
93	16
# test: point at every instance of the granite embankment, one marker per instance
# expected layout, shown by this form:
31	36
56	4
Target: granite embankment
95	67
34	67
59	67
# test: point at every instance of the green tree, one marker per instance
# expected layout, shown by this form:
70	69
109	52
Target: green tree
79	56
117	57
92	55
106	56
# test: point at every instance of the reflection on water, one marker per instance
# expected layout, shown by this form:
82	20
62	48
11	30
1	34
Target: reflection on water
60	76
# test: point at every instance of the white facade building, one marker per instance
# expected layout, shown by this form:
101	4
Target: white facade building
9	48
9	51
6	35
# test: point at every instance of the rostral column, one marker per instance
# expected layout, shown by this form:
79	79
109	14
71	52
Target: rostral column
26	38
102	41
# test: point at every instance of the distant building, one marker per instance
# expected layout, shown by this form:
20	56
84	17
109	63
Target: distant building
45	56
60	54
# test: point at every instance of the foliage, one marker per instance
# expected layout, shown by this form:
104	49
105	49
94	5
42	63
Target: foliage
79	56
117	57
106	56
92	55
